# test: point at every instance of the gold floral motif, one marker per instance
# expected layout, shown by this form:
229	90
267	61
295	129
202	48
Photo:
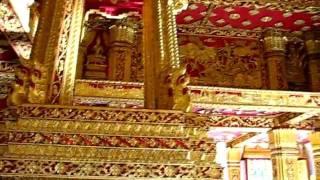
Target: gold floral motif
102	128
110	154
110	89
211	95
111	170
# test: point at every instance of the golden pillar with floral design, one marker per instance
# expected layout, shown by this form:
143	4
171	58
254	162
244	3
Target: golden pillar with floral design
45	48
312	41
165	78
26	73
275	48
67	75
234	158
315	141
55	52
122	36
284	153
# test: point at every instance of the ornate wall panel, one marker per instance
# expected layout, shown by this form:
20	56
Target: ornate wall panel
226	62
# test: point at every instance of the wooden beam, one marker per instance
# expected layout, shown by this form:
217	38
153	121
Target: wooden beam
242	139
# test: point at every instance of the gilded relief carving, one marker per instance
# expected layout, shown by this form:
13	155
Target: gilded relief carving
296	66
236	63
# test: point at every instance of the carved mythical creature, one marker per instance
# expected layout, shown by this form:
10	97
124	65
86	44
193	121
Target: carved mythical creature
20	91
173	91
37	91
180	80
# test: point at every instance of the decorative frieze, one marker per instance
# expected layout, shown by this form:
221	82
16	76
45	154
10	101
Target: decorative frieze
105	170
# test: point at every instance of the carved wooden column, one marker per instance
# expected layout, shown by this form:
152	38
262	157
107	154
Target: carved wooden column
62	86
275	48
122	37
234	158
312	41
284	153
165	78
315	141
55	52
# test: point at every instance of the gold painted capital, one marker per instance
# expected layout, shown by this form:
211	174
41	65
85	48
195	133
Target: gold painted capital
283	138
274	41
234	155
123	31
179	5
312	41
315	141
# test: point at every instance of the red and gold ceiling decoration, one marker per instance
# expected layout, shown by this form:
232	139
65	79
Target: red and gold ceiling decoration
250	18
116	7
293	15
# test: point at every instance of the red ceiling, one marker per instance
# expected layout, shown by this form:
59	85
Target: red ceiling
248	17
241	17
116	7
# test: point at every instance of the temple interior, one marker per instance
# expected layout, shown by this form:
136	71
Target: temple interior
160	89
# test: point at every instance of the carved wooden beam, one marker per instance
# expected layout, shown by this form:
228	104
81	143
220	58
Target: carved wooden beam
242	139
298	118
13	30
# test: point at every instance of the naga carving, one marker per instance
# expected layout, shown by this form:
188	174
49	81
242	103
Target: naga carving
181	93
20	87
38	87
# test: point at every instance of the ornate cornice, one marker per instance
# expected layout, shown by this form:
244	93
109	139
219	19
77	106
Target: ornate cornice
113	170
203	30
109	154
110	141
204	96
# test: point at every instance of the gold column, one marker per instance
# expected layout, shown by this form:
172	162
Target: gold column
275	48
55	52
284	153
315	141
234	158
45	49
152	51
25	73
312	41
71	59
122	36
165	78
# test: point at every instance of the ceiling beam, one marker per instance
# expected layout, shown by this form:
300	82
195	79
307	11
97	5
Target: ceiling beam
299	118
242	139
